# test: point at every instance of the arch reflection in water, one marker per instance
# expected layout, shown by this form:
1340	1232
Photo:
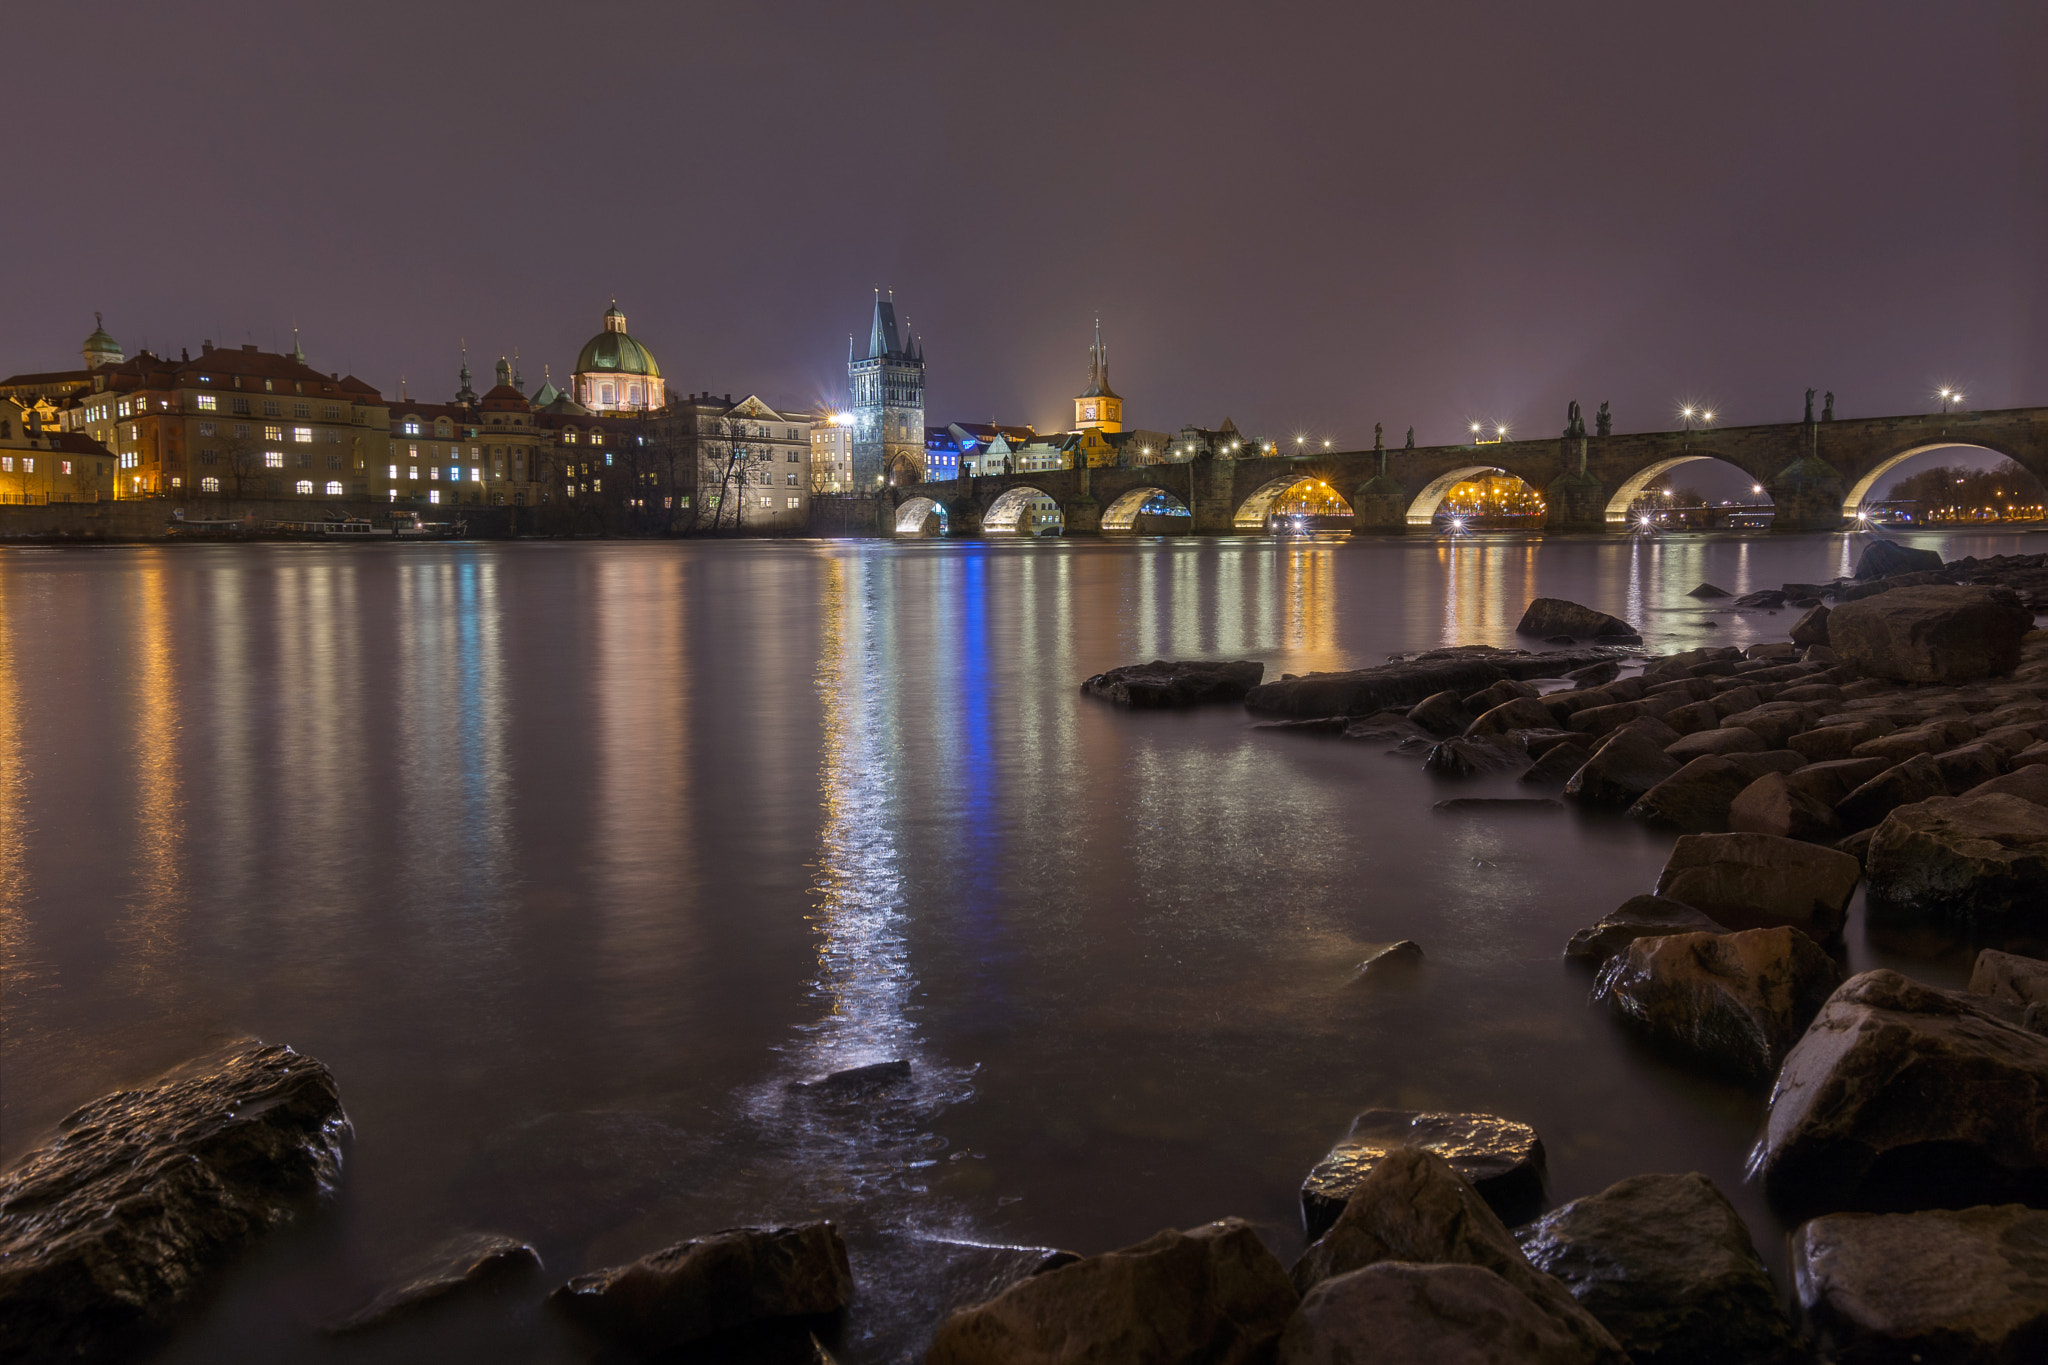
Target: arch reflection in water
853	1140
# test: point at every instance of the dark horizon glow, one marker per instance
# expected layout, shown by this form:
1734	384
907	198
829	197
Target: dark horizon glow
1306	222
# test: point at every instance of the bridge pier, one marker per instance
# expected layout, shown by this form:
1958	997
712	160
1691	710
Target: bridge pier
1575	503
1806	495
1081	517
1380	507
963	518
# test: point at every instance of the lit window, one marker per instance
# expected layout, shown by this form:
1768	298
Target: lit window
794	501
597	438
792	484
433	471
455	473
476	475
767	502
271	433
273	459
6	464
303	435
209	484
597	485
64	467
206	402
334	488
433	495
394	495
125	406
303	486
394	472
413	471
412	428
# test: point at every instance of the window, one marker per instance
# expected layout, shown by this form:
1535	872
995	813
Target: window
206	402
414	474
793	459
394	495
209	484
129	459
394	473
209	457
242	429
177	483
334	488
476	474
273	459
795	501
433	495
433	471
597	485
305	460
270	407
64	467
411	428
125	407
597	438
333	437
303	486
132	429
767	502
331	413
334	461
241	407
303	435
302	409
6	464
455	473
607	457
604	395
206	428
792	479
765	476
271	433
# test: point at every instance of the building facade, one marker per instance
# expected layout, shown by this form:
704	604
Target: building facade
832	453
885	393
1098	407
44	464
615	373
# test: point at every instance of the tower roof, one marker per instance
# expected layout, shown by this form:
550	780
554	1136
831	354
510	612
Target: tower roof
1098	369
613	351
882	339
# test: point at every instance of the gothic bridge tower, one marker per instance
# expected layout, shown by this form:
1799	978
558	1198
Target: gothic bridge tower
885	393
1098	407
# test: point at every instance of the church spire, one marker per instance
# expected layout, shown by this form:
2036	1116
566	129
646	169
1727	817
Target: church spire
882	337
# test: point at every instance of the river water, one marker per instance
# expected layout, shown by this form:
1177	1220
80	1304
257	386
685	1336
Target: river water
569	858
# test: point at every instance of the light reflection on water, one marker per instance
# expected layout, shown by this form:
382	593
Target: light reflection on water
570	858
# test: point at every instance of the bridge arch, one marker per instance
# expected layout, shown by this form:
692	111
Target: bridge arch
1122	514
1255	509
1865	486
912	513
1422	511
1006	512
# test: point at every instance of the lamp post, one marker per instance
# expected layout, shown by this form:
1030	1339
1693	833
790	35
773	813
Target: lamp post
1948	396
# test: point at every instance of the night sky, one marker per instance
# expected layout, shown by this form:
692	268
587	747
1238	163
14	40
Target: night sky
1307	217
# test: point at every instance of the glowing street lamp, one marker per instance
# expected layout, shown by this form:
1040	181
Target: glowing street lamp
1948	396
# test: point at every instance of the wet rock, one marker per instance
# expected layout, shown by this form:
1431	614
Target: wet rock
1502	1160
1832	779
1443	1314
1555	616
1442	713
2030	756
743	1277
1969	859
1708	590
1523	713
1362	691
1183	682
1696	797
1506	690
1944	1287
460	1263
1932	634
1694	718
1769	599
1667	1265
1212	1293
113	1225
1774	722
1856	845
1772	649
1902	1096
1760	880
2029	784
1599	720
909	1284
1811	629
2010	978
1390	960
1626	766
1540	742
1594	674
1733	740
1823	743
1380	728
1637	917
2012	739
1413	1207
1730	1003
1813	692
1462	757
1883	558
856	1082
1557	765
1319	725
1968	765
1916	779
1773	805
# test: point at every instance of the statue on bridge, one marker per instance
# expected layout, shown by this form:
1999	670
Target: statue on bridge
1603	421
1411	439
1574	424
1377	442
1809	405
1827	412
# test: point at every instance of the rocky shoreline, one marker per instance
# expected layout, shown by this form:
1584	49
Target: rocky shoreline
1897	742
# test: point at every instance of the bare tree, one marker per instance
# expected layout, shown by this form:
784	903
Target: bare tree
241	460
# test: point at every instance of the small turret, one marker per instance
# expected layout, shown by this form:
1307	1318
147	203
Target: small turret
101	349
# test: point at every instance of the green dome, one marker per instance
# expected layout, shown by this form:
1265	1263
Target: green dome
612	351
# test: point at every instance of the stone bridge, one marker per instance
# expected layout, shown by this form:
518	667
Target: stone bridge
1816	473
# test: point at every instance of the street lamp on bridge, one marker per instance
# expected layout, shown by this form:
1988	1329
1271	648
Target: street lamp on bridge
1948	395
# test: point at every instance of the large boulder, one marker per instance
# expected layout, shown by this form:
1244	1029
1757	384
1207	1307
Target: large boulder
1973	859
1442	713
1518	713
1883	558
1902	1096
1696	797
1624	767
1932	634
1548	616
1463	757
112	1226
1502	1159
1213	1293
1916	779
1944	1287
1637	917
1774	805
1758	880
1731	1003
1811	629
1413	1207
1666	1264
743	1277
1362	691
1184	682
2016	980
1442	1314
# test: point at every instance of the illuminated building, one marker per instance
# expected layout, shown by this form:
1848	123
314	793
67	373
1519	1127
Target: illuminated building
831	453
885	392
41	464
1099	407
615	373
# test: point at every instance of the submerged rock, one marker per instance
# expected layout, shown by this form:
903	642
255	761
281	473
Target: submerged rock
1442	1314
1966	859
1946	1287
1708	590
1185	682
1470	757
1758	880
1637	917
1502	1159
461	1262
692	1290
1441	713
1732	1003
1213	1294
1390	960
857	1081
1932	634
112	1226
1556	616
1902	1096
1883	558
1413	1207
1667	1265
